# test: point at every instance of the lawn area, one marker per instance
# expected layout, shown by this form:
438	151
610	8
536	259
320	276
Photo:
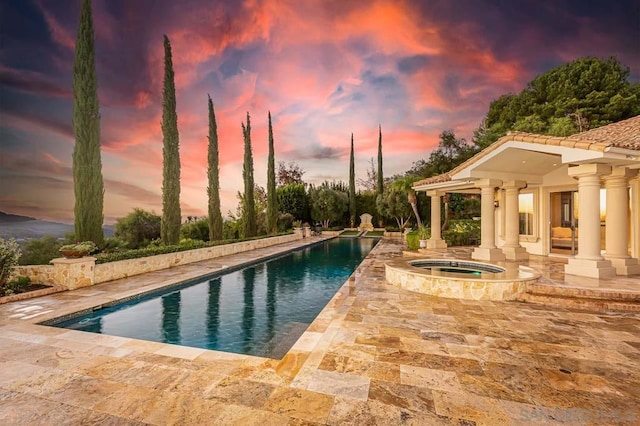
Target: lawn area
374	234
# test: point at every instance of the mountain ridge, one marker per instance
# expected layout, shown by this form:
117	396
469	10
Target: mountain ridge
26	227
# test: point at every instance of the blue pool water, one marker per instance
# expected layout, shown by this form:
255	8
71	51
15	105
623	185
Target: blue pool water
259	310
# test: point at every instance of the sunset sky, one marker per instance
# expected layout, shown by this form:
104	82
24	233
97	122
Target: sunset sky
324	69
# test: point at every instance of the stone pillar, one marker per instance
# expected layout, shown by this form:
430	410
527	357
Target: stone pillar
512	248
617	219
436	241
635	217
589	262
74	273
488	250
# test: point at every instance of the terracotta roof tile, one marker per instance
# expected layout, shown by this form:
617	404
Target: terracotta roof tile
623	134
445	177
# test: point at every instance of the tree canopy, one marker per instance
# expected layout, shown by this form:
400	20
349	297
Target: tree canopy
327	205
88	185
272	197
171	216
289	173
138	228
213	175
577	96
249	207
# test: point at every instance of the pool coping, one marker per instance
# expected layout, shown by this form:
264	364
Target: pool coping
305	343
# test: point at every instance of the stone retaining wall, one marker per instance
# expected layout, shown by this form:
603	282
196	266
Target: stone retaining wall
39	274
126	268
83	272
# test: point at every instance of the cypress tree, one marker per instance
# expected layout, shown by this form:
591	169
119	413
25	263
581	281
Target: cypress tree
352	187
171	217
380	179
249	218
213	174
88	186
272	197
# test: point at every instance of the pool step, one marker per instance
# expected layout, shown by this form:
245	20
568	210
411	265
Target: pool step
582	298
280	344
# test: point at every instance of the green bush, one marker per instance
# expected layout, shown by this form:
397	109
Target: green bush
285	222
19	285
424	233
463	232
112	244
138	228
413	242
9	255
197	229
40	251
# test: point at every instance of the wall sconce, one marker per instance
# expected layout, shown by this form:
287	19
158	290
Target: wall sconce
496	204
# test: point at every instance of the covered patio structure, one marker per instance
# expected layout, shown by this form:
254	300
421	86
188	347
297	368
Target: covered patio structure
576	197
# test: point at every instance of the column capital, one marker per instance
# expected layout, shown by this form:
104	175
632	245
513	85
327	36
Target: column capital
488	183
593	169
435	193
621	173
514	184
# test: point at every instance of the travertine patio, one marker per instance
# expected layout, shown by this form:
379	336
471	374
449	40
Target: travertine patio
375	355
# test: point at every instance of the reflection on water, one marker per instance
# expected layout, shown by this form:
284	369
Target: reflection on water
249	276
256	311
171	318
213	312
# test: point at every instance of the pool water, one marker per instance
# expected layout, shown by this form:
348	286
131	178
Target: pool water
259	310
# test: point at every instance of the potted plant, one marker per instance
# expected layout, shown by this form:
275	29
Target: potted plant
423	236
77	250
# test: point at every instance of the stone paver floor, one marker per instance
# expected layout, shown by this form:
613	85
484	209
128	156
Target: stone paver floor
375	355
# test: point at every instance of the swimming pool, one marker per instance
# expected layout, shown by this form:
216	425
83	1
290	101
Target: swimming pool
259	310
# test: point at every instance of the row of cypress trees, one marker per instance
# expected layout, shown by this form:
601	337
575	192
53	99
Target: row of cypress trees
87	164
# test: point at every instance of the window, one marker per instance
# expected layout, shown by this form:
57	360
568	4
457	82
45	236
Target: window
525	210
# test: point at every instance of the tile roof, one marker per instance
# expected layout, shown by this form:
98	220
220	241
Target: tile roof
622	134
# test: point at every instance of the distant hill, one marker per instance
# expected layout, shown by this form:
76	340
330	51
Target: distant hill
25	227
6	218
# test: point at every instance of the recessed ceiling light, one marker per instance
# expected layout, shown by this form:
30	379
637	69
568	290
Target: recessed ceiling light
523	161
555	164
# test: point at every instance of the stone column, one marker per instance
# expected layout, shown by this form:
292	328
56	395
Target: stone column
488	250
74	273
589	262
617	230
512	248
635	217
436	241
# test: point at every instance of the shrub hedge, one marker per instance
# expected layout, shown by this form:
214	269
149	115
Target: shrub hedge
462	232
413	243
153	250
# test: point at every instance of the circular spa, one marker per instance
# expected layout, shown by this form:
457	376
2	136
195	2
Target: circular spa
460	279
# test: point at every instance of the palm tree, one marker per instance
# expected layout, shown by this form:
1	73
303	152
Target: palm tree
405	183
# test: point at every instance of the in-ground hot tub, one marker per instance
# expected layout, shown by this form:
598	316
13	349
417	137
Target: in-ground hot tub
460	279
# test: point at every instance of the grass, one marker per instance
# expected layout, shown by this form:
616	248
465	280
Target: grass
375	234
348	233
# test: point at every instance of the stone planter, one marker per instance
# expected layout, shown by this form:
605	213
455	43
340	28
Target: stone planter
74	254
423	243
